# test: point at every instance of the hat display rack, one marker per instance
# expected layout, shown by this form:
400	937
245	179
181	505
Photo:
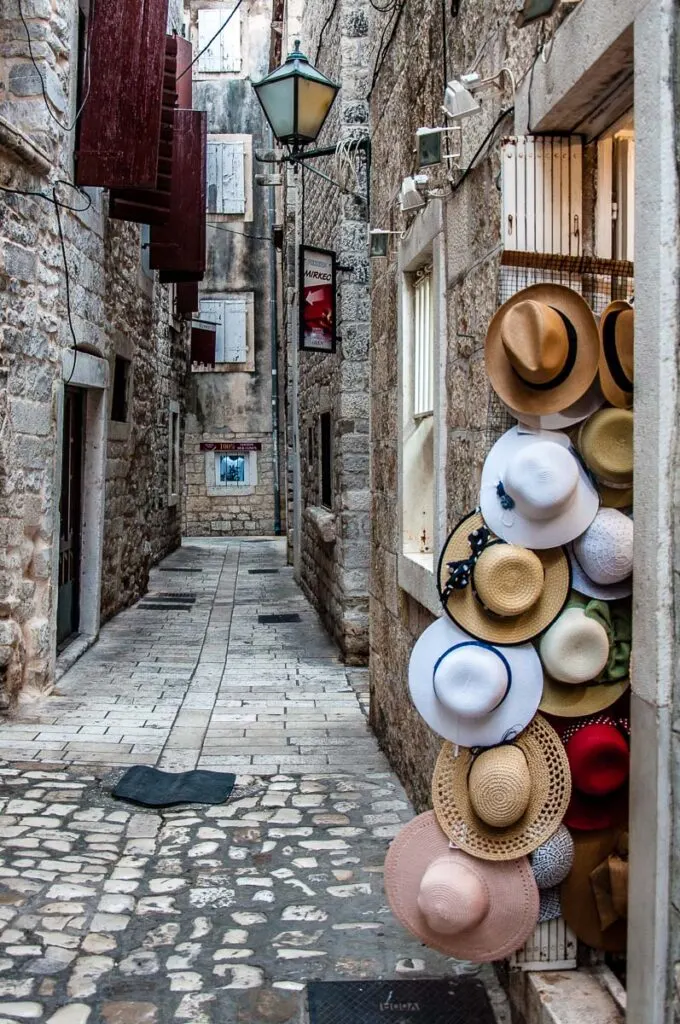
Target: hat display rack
525	676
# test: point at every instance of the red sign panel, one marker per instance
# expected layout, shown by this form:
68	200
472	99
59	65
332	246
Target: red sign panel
231	446
317	299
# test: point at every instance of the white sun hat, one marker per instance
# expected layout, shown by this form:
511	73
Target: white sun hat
535	491
575	413
471	692
575	649
602	557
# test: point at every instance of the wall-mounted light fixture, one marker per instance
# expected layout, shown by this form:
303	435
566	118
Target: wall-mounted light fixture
379	241
459	98
429	145
529	10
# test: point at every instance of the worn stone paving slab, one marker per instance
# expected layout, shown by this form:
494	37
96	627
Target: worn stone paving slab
112	914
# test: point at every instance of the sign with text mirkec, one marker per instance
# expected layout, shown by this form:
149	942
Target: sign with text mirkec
317	299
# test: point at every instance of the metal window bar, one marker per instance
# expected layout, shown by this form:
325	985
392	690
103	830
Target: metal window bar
423	354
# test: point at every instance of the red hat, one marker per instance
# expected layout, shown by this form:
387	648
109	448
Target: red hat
599	758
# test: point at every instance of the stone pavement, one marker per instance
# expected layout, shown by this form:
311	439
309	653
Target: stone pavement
111	914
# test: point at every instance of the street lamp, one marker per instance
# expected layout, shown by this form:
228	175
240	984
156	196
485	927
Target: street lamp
296	99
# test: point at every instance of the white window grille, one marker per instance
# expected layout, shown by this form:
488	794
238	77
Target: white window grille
615	209
542	194
224	53
232	469
226	177
230	317
423	342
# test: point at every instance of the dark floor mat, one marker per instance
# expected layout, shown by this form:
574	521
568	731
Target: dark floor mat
271	620
455	1001
155	788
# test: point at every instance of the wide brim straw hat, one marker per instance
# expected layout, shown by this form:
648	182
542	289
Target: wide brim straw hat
580	410
616	353
605	441
534	490
512	896
510	707
512	575
570	381
564	700
577	897
548	799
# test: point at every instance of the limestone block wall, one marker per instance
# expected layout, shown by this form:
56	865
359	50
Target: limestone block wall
115	308
249	514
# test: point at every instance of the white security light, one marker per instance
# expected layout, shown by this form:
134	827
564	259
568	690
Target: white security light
410	198
429	145
379	240
459	101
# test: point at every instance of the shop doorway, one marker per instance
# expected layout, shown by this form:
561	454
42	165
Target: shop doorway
70	508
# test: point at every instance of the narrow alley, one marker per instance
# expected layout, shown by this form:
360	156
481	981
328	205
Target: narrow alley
118	915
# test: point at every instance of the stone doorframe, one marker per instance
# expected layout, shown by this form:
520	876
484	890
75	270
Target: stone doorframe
627	50
91	373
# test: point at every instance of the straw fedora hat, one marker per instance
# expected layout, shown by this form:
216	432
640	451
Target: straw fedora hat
594	894
599	760
463	907
552	861
576	647
504	802
534	490
500	592
469	691
602	557
605	441
573	414
542	349
617	329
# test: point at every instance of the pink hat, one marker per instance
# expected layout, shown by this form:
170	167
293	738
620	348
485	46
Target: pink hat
465	908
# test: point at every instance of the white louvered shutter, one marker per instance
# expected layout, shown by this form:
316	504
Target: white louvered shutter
542	194
212	310
231	42
235	331
209	21
226	177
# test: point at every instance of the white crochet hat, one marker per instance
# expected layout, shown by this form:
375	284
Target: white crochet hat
553	860
575	649
602	557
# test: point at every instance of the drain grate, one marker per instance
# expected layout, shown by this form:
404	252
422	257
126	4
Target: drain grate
159	606
458	1001
183	597
270	620
262	572
177	568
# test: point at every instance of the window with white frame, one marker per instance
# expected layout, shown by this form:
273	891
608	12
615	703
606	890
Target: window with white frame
232	316
223	53
423	344
229	189
173	453
615	210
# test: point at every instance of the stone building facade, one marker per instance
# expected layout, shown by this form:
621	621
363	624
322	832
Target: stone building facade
235	402
97	431
327	409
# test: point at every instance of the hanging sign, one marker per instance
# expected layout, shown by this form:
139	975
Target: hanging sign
317	299
231	446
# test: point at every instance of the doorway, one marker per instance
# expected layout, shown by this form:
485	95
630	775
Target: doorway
70	508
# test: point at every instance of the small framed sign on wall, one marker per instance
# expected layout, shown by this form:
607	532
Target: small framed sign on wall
317	299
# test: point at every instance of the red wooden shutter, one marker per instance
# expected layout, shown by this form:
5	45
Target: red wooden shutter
186	298
184	75
203	345
152	206
178	248
121	121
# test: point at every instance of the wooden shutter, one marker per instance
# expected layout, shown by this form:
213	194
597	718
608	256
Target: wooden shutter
226	177
209	22
231	43
178	248
185	98
186	298
235	337
120	125
203	344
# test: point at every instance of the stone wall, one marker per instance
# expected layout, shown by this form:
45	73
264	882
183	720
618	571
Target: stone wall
115	309
333	563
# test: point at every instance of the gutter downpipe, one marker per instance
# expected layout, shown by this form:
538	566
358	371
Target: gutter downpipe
273	322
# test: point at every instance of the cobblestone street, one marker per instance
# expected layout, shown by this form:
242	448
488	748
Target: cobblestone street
116	915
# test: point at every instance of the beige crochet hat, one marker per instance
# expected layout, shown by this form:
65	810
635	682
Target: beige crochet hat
463	907
575	649
605	441
617	329
504	802
499	592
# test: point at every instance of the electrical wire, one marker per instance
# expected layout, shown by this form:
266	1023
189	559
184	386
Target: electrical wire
471	166
388	9
382	49
211	41
233	231
323	29
43	88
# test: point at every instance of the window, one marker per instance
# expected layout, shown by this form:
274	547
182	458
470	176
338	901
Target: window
145	244
224	53
232	316
615	211
423	340
226	177
232	468
173	454
326	460
121	386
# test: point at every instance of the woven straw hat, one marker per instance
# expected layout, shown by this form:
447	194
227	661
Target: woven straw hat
469	691
575	649
617	328
500	592
534	490
499	780
567	701
552	861
463	907
595	853
602	557
605	441
599	761
542	349
584	407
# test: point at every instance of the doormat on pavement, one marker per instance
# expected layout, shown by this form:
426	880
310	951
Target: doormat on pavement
155	788
454	1001
270	620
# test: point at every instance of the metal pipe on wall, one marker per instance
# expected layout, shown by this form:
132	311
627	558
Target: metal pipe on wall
273	327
